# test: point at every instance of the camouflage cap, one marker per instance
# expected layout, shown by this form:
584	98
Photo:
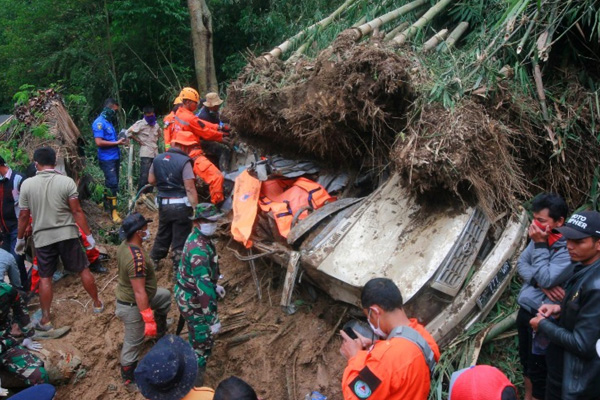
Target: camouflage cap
206	211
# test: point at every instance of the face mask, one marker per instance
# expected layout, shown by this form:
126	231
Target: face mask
208	229
552	236
109	114
146	235
151	120
377	331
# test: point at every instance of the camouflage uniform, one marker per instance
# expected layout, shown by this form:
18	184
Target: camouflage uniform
195	292
14	358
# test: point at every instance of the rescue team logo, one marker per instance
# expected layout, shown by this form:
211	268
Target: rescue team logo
99	125
362	390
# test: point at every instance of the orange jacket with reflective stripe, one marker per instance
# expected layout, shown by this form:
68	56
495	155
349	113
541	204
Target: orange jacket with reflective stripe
167	131
393	369
188	129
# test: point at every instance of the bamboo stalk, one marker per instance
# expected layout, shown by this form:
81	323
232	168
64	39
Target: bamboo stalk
424	20
456	35
368	27
391	34
539	85
285	46
527	32
435	40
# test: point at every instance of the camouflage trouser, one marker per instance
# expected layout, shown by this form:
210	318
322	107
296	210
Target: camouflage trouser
20	362
199	336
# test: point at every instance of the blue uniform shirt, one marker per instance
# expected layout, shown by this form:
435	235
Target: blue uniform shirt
102	128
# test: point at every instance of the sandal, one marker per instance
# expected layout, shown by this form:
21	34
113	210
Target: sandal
98	310
43	327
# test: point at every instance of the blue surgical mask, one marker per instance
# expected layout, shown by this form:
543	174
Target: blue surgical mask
377	331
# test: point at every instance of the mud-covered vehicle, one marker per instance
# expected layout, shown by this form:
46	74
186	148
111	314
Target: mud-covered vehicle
450	263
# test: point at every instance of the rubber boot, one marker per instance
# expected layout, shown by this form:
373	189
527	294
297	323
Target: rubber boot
113	207
199	382
128	377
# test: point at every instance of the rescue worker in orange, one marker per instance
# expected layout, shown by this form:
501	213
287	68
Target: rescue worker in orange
189	130
398	366
168	121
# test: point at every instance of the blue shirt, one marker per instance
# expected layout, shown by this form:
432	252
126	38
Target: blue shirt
103	129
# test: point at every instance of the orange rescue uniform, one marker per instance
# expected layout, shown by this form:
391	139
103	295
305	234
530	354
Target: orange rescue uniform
188	130
394	369
167	131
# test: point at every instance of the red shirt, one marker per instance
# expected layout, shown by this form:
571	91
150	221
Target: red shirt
393	369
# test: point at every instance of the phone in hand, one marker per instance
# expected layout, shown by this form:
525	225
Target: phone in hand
350	332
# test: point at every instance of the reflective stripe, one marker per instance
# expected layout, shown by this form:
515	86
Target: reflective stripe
408	333
182	122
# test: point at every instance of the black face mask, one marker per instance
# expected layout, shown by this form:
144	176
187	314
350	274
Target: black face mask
109	114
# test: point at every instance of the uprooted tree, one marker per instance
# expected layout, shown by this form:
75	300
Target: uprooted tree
493	101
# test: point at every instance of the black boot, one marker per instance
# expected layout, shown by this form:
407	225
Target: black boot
97	267
128	376
199	382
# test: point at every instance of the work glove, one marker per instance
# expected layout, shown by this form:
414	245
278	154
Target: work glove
224	127
91	241
31	345
150	323
220	291
216	328
20	246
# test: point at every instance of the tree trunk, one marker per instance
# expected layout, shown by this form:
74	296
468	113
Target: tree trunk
201	22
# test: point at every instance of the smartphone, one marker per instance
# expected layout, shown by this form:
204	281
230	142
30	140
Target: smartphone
350	332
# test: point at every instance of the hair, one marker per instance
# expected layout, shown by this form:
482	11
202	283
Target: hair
382	292
110	102
148	110
2	162
31	170
556	205
234	388
45	156
176	107
509	393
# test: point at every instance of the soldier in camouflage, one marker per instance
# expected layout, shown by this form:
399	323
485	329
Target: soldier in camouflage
196	288
16	357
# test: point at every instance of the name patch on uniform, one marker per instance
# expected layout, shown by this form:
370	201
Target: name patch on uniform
365	383
139	265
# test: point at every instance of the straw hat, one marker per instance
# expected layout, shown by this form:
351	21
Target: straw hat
212	99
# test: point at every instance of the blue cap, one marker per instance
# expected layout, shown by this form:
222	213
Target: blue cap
168	371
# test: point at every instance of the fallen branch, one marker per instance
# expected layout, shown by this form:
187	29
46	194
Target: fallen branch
424	20
435	40
456	35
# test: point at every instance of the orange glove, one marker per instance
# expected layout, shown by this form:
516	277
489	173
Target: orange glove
148	317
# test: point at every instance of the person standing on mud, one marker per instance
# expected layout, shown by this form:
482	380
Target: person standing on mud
171	172
10	185
145	132
188	129
109	154
398	366
141	305
573	326
543	266
196	287
210	113
15	357
52	201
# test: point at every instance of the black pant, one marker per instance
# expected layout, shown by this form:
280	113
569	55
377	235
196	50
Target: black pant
145	163
534	366
174	226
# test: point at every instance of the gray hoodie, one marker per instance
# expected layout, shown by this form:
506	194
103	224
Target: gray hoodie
541	266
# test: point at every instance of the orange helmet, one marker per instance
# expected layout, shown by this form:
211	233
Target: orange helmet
187	93
178	100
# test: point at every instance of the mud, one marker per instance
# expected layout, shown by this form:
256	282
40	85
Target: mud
282	356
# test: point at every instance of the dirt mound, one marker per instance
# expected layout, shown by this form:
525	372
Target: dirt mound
345	107
465	152
281	356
